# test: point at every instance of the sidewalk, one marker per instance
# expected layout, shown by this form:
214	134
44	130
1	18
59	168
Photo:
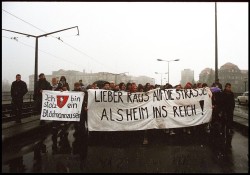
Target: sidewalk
29	125
241	116
240	121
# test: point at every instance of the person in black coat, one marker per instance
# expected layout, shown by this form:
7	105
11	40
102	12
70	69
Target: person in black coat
217	104
41	84
228	111
18	90
228	105
217	84
80	144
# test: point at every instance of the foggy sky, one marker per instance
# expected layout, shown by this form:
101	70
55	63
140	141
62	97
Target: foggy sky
122	37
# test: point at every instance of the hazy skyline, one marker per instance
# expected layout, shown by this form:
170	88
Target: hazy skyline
122	37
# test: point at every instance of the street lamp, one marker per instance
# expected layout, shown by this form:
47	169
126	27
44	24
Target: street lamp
168	64
216	45
161	75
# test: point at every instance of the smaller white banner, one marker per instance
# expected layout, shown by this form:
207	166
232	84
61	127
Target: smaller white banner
62	106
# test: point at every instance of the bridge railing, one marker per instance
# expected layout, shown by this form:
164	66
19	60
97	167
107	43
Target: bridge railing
7	112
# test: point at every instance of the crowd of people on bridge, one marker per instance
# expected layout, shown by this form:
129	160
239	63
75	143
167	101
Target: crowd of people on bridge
223	101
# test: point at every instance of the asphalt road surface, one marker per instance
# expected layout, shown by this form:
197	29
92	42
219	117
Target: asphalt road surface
123	152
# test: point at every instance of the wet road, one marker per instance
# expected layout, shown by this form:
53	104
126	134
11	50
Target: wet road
124	152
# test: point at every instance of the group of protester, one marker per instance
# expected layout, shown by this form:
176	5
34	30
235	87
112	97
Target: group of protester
223	102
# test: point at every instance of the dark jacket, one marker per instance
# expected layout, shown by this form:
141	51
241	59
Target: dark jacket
217	100
41	84
60	86
18	89
228	101
62	83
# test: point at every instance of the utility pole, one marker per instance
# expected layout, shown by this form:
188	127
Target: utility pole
216	46
36	47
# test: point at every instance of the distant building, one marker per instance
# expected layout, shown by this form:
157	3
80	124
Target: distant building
231	73
187	75
207	75
6	86
228	73
88	78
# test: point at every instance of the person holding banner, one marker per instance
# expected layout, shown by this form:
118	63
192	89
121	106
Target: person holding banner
128	86
54	83
62	85
140	88
145	139
187	86
106	86
169	86
41	84
217	105
112	85
80	145
80	126
122	87
93	86
133	87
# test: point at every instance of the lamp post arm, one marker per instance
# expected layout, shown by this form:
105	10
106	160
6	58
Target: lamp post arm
19	33
59	31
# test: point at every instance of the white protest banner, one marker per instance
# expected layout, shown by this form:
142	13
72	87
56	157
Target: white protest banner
62	106
155	109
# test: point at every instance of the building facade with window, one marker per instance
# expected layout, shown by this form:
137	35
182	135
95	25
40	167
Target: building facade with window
228	73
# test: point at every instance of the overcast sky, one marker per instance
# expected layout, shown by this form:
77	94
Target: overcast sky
122	37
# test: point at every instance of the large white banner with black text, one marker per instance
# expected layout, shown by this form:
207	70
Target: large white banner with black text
155	109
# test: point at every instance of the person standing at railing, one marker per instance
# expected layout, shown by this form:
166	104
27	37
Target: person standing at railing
18	90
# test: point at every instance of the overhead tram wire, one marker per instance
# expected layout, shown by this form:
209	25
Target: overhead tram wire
42	51
30	24
59	38
22	20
